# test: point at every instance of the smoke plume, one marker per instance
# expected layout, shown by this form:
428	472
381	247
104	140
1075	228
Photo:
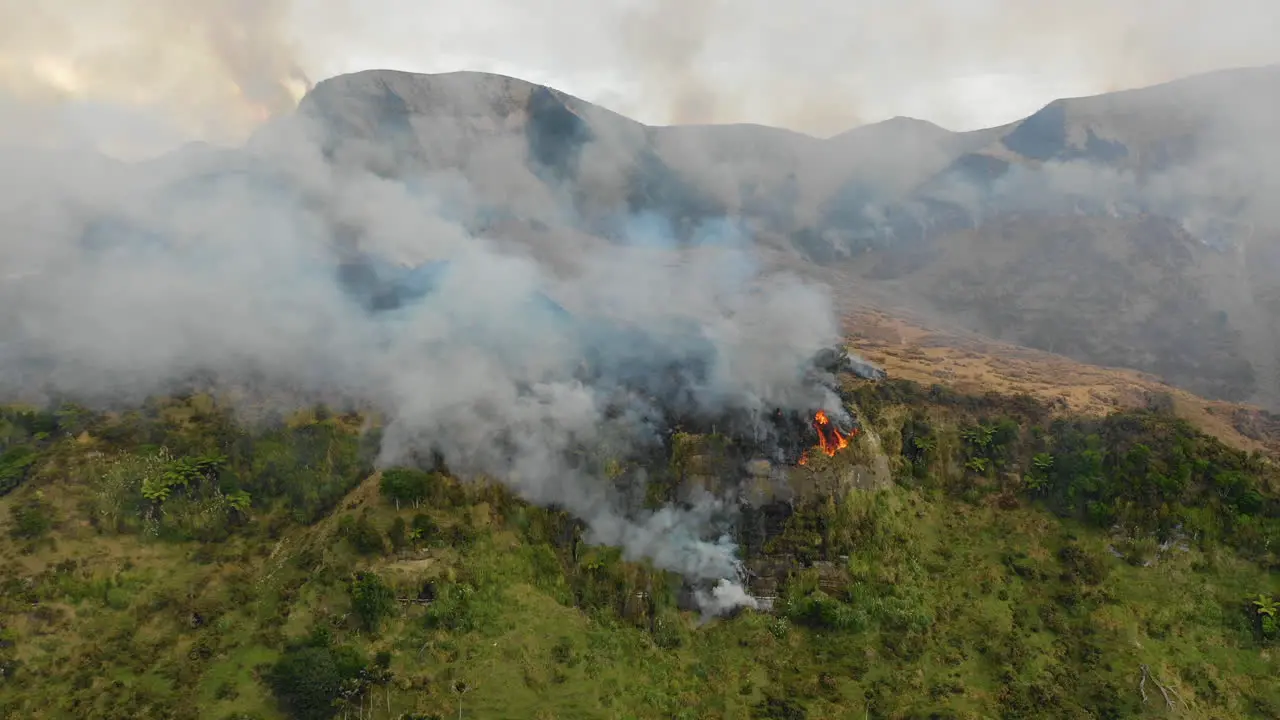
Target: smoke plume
210	71
125	280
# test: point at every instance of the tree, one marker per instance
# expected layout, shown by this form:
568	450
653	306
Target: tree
239	501
310	679
423	529
371	600
978	438
362	534
398	534
183	472
15	463
1041	471
406	485
1267	610
31	519
1266	605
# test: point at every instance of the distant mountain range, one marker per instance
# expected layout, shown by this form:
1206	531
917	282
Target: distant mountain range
1134	229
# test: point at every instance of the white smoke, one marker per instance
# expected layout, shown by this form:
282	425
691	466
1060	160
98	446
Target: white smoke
727	595
120	281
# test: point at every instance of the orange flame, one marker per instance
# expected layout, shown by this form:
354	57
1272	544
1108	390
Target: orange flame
830	439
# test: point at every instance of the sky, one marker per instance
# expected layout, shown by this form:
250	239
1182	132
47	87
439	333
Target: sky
214	69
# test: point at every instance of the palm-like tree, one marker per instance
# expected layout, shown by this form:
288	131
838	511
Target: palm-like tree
1267	605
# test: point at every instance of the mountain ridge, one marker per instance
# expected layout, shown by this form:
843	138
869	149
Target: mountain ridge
1161	191
301	436
892	200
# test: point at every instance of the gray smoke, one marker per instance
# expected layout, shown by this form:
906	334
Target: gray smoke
120	281
724	597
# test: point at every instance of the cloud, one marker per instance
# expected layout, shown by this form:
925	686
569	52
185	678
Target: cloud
821	67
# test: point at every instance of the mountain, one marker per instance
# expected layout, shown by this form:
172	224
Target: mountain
298	438
1130	229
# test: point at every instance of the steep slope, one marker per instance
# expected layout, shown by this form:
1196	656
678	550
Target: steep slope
758	172
1128	293
171	562
1026	537
1131	229
960	556
1142	215
526	152
529	152
972	363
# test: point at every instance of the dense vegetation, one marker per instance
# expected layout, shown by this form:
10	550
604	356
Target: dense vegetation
171	562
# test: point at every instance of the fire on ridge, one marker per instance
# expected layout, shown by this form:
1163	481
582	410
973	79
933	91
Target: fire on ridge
830	439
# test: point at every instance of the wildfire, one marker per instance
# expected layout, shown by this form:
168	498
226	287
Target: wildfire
830	439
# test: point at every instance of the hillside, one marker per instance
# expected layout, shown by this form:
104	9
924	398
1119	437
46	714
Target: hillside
456	394
1151	203
1132	229
1141	213
167	562
971	363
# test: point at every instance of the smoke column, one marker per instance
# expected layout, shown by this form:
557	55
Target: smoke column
124	280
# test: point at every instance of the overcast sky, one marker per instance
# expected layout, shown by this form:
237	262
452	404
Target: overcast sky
213	68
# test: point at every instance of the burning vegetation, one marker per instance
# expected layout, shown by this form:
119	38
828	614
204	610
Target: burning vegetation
830	439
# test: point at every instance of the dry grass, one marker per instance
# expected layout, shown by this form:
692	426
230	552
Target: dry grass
909	350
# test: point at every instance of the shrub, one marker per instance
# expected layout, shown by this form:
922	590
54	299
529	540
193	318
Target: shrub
1082	566
371	600
776	707
423	529
407	486
820	611
362	534
456	608
30	519
398	534
15	463
309	678
668	632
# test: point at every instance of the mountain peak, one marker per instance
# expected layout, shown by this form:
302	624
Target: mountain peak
458	94
1164	176
897	126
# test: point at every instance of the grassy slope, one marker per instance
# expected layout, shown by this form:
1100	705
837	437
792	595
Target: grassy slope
957	608
907	349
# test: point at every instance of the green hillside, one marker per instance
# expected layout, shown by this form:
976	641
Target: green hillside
172	563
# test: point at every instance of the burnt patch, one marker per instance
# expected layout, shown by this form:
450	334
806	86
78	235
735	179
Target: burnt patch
1042	136
555	136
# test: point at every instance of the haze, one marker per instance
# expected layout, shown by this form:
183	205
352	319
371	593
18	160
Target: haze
131	76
